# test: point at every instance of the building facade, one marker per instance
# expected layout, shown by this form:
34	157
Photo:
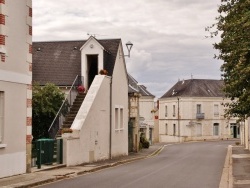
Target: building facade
194	110
15	86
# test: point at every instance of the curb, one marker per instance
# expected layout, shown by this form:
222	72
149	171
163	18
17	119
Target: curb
74	174
227	177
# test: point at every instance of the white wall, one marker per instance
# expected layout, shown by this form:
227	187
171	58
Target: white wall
120	99
14	77
90	139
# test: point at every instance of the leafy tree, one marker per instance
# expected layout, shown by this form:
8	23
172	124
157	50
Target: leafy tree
45	104
233	25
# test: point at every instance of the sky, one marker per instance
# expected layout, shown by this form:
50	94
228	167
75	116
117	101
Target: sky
168	36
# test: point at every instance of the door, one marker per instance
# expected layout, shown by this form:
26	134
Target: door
92	68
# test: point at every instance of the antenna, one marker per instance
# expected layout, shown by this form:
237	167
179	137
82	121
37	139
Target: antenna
191	76
94	34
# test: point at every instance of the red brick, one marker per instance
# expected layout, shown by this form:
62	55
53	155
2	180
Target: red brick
29	139
30	30
2	19
30	12
3	58
2	39
30	48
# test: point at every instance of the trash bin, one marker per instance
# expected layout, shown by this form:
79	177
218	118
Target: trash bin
45	151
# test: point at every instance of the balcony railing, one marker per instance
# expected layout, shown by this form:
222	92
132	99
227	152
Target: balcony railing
200	116
65	107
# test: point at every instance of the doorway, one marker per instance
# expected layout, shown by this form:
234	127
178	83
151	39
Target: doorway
235	130
92	68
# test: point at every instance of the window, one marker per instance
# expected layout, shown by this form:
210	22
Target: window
119	118
174	129
1	115
216	129
166	111
216	110
116	118
198	108
166	129
173	110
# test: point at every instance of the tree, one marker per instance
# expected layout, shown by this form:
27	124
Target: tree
45	104
233	25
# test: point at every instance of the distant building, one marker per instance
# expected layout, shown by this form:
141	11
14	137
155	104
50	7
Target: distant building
15	86
193	110
142	113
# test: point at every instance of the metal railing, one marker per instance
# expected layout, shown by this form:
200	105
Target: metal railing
65	107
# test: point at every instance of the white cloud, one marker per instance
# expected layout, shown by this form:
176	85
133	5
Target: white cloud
168	36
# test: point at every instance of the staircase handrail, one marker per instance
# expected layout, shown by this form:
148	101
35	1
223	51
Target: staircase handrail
59	111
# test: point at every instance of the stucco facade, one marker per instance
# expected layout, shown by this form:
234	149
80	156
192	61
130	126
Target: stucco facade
100	129
15	87
185	116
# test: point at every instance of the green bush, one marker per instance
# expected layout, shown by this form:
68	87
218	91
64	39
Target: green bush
144	142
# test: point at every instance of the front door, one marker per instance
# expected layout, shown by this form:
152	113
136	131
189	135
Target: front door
92	68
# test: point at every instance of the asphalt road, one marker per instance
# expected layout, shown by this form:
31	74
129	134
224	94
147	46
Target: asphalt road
188	165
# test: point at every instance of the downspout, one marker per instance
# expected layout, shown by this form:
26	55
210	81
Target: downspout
110	120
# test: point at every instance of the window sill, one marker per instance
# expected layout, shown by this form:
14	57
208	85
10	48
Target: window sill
3	146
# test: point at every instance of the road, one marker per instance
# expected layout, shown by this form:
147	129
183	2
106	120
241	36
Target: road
187	165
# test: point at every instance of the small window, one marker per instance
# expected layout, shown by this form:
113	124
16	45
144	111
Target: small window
166	129
173	110
198	108
116	118
174	129
121	118
1	115
216	110
166	111
216	129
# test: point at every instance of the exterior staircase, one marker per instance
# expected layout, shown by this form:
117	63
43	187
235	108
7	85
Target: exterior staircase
69	118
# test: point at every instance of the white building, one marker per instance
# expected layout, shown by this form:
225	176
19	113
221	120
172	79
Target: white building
15	86
100	128
193	110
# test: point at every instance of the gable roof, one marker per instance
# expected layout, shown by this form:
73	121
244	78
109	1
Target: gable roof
196	88
59	62
134	87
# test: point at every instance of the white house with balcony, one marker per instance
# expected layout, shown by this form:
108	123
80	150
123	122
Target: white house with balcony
193	110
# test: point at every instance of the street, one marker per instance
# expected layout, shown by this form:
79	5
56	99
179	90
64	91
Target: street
187	165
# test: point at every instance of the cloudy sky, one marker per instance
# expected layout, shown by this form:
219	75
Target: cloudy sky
168	35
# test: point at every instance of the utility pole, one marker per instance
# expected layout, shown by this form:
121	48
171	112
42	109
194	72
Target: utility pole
178	106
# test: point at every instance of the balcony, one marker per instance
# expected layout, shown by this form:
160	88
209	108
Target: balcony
200	116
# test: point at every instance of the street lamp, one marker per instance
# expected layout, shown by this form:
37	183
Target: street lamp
129	47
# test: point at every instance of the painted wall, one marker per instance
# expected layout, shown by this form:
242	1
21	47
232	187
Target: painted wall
91	128
190	127
146	105
15	82
120	100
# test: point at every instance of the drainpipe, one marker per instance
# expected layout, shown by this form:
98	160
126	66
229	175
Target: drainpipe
110	120
179	131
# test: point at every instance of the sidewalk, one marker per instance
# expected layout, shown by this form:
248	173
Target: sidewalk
241	167
50	174
238	162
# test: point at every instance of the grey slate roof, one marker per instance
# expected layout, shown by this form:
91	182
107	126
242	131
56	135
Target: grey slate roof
59	62
134	87
196	88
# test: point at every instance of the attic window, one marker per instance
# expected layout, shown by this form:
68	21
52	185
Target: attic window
173	93
75	48
38	49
